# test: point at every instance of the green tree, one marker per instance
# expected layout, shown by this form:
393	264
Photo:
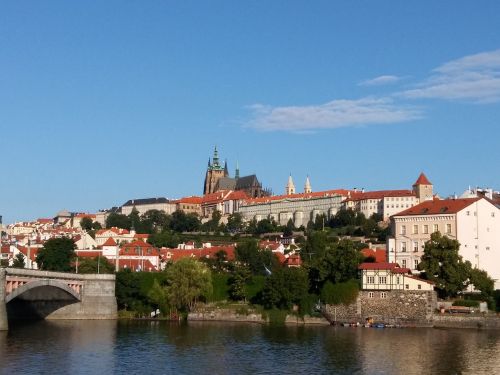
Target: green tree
289	228
442	265
248	254
18	261
158	297
182	222
154	221
285	287
115	219
235	223
189	281
95	265
237	284
164	239
86	223
213	224
56	255
338	263
482	281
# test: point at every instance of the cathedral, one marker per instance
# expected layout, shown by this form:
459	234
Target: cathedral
217	178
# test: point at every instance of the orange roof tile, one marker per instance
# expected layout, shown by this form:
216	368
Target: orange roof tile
109	242
439	207
422	180
317	194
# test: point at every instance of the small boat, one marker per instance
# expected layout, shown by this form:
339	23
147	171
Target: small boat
378	325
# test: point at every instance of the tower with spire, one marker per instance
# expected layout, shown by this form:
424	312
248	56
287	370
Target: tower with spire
215	171
423	188
290	187
307	186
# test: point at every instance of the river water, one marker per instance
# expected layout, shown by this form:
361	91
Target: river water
109	347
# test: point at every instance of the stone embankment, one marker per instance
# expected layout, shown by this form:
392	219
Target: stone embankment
248	315
405	309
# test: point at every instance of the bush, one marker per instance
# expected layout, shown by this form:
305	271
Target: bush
254	287
220	287
466	303
340	293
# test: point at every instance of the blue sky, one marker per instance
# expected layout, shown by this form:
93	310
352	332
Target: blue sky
104	101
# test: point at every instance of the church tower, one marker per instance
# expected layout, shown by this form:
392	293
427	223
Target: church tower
307	186
214	172
290	187
423	188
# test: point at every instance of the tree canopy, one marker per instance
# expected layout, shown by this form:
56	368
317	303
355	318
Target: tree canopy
442	265
56	254
189	280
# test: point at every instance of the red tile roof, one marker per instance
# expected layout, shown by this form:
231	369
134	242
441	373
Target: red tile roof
190	200
358	196
109	242
115	230
88	253
380	255
394	267
439	207
422	180
318	194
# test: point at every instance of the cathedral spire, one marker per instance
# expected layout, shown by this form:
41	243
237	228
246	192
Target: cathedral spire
237	173
290	187
215	159
307	186
226	171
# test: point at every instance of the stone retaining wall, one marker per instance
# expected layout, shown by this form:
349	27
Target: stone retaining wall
393	307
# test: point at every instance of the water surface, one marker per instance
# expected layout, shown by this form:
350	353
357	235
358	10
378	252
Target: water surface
109	347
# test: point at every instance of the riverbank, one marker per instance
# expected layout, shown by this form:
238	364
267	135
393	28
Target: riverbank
247	314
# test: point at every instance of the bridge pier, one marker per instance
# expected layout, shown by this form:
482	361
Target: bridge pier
4	324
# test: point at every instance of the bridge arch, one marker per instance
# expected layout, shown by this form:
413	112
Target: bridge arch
41	283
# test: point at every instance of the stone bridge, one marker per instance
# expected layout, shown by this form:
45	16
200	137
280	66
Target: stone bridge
33	294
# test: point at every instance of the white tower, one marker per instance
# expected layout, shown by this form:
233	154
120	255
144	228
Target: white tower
290	187
307	186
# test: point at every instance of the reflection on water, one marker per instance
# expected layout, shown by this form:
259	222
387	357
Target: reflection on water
104	347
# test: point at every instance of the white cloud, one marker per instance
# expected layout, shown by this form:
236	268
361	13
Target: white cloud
381	80
331	115
475	78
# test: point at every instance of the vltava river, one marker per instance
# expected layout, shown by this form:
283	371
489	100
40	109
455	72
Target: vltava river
109	347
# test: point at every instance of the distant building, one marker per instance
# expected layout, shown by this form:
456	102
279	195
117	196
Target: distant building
146	204
389	202
473	222
389	276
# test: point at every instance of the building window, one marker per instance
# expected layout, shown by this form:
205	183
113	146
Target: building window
403	263
435	228
382	280
370	279
492	214
403	247
383	294
415	246
426	229
397	279
419	286
403	229
407	286
370	295
415	264
467	213
448	228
